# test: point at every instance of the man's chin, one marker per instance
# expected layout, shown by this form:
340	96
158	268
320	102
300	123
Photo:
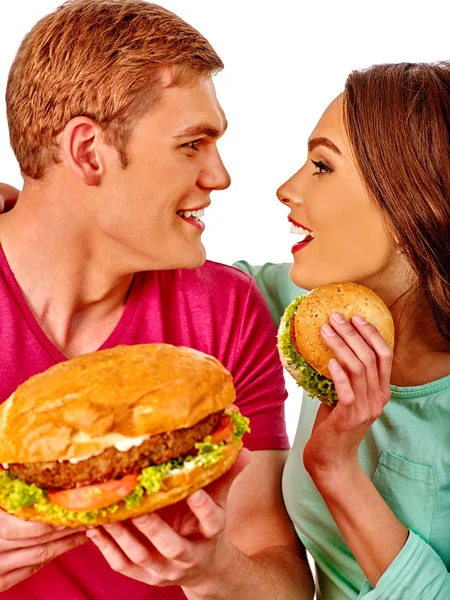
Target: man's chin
188	260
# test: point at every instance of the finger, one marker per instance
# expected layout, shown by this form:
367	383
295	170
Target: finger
382	350
118	559
323	413
43	539
348	360
14	577
165	540
363	351
13	528
211	517
37	555
115	556
220	488
8	197
342	384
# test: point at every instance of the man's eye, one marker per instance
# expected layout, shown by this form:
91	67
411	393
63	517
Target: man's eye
192	145
323	168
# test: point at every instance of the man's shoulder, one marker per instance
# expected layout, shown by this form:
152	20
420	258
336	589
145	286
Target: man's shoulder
216	269
211	273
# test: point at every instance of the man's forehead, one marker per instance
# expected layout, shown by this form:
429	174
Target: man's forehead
191	109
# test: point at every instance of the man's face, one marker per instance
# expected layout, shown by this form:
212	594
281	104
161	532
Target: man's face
174	167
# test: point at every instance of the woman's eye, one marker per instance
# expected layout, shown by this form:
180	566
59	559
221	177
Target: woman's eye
321	166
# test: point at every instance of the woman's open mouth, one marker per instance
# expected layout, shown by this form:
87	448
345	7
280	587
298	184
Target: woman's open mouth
306	235
193	217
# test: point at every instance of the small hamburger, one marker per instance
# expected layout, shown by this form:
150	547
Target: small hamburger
303	352
117	433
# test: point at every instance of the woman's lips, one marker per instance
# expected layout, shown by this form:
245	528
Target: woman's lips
297	247
306	235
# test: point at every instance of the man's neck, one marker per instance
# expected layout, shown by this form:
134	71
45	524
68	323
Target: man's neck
64	273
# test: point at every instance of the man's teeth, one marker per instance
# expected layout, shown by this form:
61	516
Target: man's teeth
303	233
188	214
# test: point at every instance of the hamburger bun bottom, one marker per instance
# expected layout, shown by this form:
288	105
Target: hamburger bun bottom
174	488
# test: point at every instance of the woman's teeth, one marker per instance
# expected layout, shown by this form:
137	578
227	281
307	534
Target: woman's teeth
189	214
303	233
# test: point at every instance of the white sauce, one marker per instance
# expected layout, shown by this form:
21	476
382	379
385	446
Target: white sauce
117	441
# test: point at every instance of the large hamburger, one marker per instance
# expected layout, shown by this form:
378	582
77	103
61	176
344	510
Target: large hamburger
303	352
117	433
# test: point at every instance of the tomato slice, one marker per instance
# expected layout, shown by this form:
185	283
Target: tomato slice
224	430
93	497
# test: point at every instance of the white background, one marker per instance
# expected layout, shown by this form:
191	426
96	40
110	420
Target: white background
284	62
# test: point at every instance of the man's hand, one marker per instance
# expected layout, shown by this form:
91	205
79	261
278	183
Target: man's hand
26	547
8	197
183	544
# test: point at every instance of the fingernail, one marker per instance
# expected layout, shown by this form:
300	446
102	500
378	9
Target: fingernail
142	520
333	364
359	320
91	533
328	330
338	317
197	498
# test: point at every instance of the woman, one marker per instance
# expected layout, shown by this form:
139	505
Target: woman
367	484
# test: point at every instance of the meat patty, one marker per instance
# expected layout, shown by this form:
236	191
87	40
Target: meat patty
112	463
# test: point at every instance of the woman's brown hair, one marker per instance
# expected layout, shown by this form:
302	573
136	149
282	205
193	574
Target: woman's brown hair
397	118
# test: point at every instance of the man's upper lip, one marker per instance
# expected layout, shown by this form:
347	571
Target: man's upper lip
291	220
195	208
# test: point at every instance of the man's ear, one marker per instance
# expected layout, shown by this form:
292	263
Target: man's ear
81	142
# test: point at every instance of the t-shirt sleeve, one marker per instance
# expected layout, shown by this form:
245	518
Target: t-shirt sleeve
258	375
416	572
276	286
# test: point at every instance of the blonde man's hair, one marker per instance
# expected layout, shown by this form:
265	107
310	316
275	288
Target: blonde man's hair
104	59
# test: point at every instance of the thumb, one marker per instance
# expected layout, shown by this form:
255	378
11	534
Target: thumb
219	489
322	414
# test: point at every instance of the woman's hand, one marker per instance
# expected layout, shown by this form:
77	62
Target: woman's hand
183	544
361	376
26	547
8	197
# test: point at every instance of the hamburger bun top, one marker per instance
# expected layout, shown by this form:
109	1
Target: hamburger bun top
92	402
349	299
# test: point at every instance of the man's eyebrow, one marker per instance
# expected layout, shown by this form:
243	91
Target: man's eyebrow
322	141
201	129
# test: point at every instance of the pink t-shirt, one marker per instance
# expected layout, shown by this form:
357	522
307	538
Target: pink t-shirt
215	309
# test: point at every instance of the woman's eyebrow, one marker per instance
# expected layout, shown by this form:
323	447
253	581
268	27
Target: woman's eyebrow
322	141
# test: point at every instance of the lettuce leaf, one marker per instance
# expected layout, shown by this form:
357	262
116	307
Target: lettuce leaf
315	384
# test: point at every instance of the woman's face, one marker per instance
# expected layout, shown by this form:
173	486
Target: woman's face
340	230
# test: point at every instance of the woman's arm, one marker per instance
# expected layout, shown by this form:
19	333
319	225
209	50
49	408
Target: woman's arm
377	539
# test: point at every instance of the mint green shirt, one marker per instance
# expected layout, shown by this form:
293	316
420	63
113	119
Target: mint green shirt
406	454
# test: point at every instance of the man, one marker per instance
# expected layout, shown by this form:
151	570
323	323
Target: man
114	121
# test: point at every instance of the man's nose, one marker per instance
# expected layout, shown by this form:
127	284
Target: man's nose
215	176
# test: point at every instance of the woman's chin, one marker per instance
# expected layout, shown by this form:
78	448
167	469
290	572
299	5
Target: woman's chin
303	278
